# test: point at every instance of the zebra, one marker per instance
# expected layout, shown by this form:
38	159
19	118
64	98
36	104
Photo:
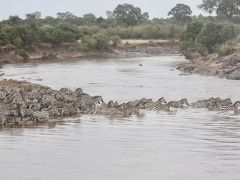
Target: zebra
204	103
41	116
69	98
150	105
69	110
224	102
140	106
3	94
133	103
111	104
47	100
33	96
90	104
66	91
3	106
230	107
144	100
180	104
105	109
78	92
3	118
164	107
24	113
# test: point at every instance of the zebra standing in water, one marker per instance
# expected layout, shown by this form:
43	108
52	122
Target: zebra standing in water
231	107
41	116
89	104
203	103
151	105
164	107
24	113
180	104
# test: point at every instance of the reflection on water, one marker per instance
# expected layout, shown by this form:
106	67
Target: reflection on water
188	144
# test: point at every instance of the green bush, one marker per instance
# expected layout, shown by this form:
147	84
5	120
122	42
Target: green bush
212	35
116	40
208	35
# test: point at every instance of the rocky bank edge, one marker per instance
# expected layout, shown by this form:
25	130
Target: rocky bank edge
213	65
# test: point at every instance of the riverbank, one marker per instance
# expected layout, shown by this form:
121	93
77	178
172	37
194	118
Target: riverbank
46	52
224	64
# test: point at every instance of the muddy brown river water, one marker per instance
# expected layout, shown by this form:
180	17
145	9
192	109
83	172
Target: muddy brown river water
187	144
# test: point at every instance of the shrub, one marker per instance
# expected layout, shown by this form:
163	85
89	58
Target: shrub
214	34
116	40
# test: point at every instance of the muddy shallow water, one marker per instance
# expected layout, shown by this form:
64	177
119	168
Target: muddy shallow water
188	144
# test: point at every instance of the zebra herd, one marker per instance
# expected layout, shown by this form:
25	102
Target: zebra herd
39	104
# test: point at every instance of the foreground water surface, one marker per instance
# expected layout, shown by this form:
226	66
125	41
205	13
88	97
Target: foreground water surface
188	144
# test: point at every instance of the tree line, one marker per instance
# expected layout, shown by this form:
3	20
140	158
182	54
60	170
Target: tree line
125	21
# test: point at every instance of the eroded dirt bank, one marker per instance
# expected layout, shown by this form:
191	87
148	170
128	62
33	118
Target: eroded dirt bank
46	52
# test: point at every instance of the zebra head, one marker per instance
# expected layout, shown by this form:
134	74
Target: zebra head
144	100
162	100
130	104
237	105
110	104
227	101
184	101
79	91
116	104
98	100
123	106
140	105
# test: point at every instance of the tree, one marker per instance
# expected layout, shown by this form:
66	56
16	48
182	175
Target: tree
89	18
128	14
181	12
228	8
14	20
65	16
33	16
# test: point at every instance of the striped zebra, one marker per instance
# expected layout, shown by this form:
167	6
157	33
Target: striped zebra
66	91
122	106
140	106
41	116
225	102
230	107
3	95
110	104
203	103
3	118
89	104
151	105
69	110
47	100
78	92
164	107
105	109
24	113
144	100
3	106
133	103
180	104
33	96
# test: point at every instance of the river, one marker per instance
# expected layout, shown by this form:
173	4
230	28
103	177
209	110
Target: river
187	144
